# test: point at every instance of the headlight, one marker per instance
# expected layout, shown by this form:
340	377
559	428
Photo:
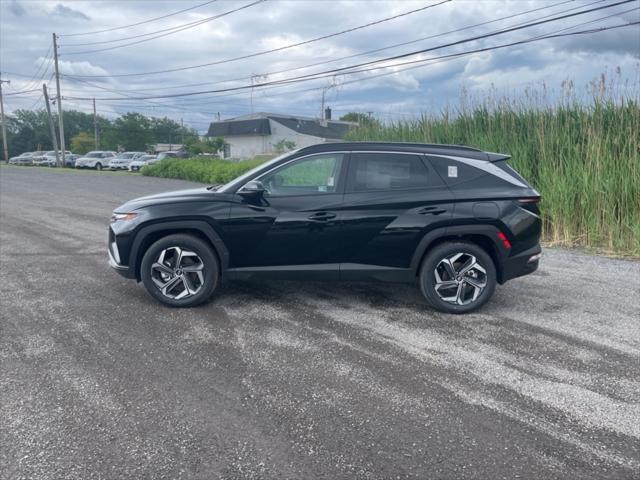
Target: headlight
123	217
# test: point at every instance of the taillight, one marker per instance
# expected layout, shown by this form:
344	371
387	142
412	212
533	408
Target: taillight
530	204
505	241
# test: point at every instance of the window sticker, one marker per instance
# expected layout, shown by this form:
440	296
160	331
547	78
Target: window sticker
452	171
330	182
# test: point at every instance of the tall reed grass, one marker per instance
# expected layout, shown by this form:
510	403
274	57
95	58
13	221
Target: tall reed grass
583	156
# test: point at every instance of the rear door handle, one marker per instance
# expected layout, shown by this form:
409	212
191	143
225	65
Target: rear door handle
322	216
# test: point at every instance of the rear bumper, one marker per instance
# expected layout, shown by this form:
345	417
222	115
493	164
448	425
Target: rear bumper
521	264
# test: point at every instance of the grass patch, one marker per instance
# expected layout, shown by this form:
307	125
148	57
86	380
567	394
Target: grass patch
204	170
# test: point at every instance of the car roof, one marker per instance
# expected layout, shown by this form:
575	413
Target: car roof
425	148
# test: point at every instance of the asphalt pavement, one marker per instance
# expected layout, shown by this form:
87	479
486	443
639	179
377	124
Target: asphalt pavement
291	380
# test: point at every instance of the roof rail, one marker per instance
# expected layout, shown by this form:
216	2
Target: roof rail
443	146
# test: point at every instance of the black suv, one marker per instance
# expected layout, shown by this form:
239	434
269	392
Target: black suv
455	219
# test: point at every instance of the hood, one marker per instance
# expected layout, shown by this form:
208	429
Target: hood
201	194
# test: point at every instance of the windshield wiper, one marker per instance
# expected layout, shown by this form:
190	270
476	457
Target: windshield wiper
213	188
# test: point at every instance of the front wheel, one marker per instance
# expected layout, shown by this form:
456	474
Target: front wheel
98	166
457	277
180	271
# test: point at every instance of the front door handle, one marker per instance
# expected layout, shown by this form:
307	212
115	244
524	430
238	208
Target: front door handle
431	211
322	216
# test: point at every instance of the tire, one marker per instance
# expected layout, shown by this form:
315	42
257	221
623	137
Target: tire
159	269
457	291
99	166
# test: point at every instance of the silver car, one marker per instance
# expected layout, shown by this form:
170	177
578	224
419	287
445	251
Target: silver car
140	162
49	158
122	160
97	159
25	158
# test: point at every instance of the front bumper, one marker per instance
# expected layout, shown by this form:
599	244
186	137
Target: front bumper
114	260
521	264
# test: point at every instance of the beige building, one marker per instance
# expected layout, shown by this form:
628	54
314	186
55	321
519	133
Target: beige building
259	133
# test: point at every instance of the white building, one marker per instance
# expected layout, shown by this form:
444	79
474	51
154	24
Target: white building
259	133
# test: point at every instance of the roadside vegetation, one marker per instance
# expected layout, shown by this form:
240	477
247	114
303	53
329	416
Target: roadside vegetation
204	170
582	156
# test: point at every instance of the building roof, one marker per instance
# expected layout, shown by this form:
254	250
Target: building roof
258	124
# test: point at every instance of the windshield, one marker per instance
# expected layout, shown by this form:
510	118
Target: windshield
94	155
233	184
126	156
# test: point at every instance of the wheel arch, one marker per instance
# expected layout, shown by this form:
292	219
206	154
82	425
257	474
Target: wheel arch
147	235
484	236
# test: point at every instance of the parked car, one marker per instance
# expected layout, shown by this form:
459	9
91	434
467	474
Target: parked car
172	154
455	219
49	158
97	159
140	162
70	160
122	160
25	158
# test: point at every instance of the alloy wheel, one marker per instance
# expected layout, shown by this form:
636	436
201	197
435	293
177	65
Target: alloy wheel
178	273
460	279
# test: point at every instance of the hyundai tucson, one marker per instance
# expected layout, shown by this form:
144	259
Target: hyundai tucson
455	220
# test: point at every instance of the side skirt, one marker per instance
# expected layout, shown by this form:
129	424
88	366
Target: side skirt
329	271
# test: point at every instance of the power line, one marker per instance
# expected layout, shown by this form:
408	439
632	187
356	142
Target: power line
139	23
285	47
431	61
327	61
171	32
346	69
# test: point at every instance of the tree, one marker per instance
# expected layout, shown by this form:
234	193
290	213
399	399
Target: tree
284	145
362	119
82	143
131	132
195	146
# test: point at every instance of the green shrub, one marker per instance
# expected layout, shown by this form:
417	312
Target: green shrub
204	170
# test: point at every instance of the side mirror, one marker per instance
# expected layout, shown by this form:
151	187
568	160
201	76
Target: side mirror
252	189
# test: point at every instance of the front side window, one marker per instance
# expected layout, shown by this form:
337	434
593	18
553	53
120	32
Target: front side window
309	176
386	171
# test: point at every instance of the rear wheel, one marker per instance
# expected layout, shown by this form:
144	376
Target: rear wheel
180	270
457	277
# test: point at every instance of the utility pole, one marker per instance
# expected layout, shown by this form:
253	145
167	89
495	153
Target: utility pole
54	138
4	125
59	99
182	132
95	124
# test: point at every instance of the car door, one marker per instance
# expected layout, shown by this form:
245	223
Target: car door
392	200
294	226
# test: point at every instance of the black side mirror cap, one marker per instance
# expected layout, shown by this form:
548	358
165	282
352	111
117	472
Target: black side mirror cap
252	189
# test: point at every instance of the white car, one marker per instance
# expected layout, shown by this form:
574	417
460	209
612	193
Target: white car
140	162
25	158
122	160
49	159
97	159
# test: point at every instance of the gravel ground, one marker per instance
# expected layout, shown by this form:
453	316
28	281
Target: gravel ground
299	380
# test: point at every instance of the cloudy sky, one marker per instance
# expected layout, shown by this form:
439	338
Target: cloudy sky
96	54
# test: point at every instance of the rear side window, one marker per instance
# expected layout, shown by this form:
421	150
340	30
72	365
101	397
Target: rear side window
386	171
